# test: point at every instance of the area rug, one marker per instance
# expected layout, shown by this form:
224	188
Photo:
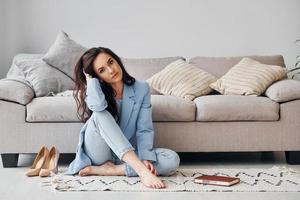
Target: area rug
275	179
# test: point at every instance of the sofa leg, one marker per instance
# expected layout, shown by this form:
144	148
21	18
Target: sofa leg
10	159
292	157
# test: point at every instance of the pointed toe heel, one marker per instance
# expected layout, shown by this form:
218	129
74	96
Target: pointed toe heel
51	164
38	162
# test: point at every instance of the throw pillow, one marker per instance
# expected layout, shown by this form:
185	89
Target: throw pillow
144	68
64	54
43	78
248	77
284	90
15	91
15	73
182	79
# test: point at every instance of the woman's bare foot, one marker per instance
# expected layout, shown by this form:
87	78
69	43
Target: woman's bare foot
150	180
106	169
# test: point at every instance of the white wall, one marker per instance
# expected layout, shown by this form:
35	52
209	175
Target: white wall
2	22
155	28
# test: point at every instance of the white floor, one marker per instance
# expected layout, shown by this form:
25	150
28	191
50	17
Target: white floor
15	185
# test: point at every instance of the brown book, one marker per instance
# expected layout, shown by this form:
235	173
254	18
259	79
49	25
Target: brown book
217	180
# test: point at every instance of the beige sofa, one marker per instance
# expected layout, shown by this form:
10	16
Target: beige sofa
211	123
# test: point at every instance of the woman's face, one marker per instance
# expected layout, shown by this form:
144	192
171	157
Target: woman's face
107	68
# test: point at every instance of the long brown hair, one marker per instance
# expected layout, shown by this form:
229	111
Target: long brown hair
85	63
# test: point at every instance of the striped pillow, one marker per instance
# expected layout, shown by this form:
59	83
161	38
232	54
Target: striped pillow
249	77
182	79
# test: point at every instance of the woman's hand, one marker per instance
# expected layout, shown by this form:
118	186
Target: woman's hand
87	76
150	166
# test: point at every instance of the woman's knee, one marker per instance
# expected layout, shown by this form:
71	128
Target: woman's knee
168	161
174	161
99	115
104	114
102	118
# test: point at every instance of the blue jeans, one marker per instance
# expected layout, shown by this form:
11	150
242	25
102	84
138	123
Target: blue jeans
105	141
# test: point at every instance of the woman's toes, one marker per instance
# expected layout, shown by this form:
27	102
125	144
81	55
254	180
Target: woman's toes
85	171
81	173
161	185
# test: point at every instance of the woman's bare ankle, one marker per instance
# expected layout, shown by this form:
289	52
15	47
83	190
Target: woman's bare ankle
143	172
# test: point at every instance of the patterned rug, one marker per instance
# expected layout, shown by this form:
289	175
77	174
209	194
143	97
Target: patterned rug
275	179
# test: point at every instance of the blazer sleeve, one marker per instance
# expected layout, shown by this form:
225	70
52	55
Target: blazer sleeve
145	132
95	98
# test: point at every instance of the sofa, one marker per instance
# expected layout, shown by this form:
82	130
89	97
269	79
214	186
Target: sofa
210	123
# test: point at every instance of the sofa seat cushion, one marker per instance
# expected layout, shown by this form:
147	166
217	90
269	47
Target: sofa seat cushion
236	108
52	109
63	109
171	108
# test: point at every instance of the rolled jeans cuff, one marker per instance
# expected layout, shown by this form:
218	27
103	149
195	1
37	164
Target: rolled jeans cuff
122	152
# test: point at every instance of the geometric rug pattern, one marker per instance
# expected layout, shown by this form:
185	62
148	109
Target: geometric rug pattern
275	179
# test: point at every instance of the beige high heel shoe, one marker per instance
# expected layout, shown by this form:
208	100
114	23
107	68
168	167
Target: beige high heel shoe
51	163
38	162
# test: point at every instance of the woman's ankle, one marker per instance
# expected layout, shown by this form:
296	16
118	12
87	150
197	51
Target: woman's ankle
143	172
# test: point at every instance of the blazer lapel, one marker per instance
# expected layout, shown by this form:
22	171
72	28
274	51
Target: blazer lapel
127	106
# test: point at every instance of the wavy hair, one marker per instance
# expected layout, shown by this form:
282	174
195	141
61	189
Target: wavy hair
85	63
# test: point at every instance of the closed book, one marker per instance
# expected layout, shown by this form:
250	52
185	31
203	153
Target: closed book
217	180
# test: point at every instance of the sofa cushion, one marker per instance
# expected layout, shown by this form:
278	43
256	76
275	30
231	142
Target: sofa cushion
64	54
182	79
62	108
249	77
284	90
52	109
236	108
15	91
171	108
218	66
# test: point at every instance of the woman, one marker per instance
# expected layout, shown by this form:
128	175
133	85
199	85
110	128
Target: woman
117	137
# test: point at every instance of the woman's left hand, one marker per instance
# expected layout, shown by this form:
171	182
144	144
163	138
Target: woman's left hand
150	166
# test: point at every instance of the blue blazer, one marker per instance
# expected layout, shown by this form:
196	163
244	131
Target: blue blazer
135	123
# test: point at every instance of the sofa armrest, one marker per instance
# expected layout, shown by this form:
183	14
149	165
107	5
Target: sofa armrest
284	90
15	91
